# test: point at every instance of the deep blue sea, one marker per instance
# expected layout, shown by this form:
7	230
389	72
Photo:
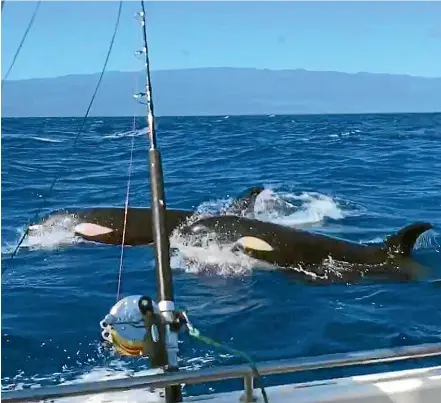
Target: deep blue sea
357	177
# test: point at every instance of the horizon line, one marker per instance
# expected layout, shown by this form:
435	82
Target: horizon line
229	115
226	67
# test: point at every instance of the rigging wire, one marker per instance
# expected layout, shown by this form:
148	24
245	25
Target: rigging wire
22	39
14	253
126	208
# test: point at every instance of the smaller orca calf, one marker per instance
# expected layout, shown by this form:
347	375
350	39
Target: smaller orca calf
106	224
330	258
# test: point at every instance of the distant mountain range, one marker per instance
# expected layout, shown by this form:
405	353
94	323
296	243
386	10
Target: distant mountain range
224	91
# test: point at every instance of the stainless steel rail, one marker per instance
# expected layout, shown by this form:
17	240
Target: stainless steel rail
228	372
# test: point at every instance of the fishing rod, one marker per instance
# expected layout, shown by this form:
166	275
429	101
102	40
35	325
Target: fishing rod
162	245
152	328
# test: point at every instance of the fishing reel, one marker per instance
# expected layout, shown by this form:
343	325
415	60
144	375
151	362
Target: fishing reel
135	327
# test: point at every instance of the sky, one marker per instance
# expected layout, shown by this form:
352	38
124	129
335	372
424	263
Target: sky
72	37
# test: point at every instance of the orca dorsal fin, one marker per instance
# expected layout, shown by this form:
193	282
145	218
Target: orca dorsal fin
244	204
404	240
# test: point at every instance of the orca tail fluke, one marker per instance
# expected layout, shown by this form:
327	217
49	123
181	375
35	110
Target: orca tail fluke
404	240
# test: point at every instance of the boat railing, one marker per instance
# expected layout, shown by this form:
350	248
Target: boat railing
222	373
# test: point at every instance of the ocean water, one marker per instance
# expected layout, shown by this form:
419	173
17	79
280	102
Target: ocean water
357	177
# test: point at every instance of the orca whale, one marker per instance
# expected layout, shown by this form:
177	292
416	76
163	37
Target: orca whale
106	224
328	258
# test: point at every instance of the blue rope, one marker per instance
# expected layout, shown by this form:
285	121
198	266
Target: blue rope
4	268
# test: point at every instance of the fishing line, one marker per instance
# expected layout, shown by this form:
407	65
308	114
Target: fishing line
126	208
121	262
22	39
4	268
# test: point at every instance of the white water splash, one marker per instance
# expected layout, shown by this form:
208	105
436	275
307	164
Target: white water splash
58	230
213	207
375	240
46	140
129	133
428	240
288	209
293	209
209	256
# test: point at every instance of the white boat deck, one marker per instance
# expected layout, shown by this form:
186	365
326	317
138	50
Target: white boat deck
413	386
418	386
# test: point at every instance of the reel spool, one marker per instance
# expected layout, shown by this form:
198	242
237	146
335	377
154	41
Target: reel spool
124	326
